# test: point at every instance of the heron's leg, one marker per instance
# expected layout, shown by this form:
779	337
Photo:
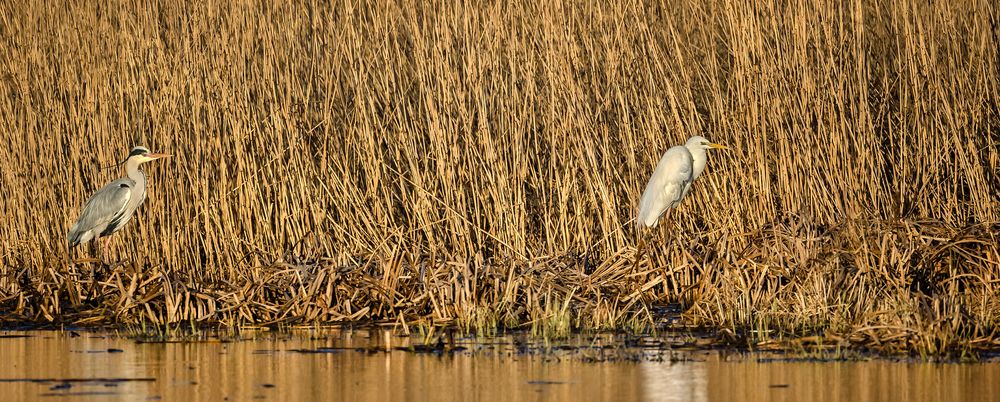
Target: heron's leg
104	250
94	248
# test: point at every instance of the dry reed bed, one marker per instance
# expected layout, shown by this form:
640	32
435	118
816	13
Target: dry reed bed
480	164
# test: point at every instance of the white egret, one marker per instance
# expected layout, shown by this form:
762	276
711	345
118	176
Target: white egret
672	179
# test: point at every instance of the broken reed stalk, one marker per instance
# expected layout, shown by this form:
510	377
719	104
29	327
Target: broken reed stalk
476	164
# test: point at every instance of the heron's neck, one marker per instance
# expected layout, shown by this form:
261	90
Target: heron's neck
698	159
133	172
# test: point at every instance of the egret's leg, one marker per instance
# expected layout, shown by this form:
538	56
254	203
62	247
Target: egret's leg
669	223
640	251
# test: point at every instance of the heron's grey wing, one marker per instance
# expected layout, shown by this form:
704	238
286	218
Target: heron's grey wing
106	205
666	187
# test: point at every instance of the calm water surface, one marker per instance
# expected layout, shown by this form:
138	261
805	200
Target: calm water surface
36	366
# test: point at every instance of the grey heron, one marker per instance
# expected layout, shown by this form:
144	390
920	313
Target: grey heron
111	207
672	179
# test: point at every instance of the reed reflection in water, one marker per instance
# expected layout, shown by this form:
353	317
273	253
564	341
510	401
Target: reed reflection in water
276	368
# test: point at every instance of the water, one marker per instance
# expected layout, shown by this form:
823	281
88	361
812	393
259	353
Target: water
108	368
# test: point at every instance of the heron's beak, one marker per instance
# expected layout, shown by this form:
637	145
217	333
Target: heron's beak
157	156
717	146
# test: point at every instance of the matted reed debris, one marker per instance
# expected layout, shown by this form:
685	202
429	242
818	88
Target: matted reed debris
478	165
896	287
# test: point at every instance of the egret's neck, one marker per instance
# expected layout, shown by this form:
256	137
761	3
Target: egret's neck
699	159
133	172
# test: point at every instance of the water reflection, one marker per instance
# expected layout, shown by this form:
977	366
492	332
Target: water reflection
872	381
267	368
677	382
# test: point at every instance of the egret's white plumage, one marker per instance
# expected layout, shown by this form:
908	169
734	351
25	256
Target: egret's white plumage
672	179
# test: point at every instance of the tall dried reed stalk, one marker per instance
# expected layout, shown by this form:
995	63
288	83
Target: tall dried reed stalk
480	162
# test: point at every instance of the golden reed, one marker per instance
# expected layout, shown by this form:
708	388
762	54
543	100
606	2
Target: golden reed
479	163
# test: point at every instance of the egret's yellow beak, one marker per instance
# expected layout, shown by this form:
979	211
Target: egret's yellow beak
157	156
717	146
